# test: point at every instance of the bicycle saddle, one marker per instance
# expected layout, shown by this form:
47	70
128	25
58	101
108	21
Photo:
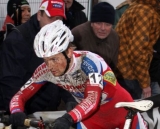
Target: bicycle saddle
142	105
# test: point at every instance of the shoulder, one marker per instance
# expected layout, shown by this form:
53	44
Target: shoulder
40	72
92	62
140	8
123	4
113	37
81	29
113	33
14	37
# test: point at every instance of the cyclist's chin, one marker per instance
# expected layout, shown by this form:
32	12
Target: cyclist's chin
56	74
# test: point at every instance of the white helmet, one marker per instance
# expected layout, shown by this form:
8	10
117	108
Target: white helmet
52	39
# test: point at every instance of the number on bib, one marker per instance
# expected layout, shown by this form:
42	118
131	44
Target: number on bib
96	78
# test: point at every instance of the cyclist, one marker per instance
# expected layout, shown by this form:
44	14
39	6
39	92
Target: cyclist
84	74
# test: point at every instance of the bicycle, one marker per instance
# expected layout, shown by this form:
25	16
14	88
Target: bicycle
35	120
132	107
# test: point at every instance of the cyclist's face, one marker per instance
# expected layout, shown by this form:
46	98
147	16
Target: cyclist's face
57	63
26	13
44	19
101	29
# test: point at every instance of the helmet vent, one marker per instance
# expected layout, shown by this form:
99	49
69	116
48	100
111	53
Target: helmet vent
43	46
54	39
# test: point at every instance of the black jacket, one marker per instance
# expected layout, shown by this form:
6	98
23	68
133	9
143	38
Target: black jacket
17	64
75	15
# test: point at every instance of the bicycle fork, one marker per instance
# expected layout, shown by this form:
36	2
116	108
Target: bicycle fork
131	113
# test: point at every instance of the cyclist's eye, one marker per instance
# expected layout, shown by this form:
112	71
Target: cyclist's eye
55	59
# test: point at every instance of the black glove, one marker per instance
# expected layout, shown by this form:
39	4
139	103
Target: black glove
17	119
70	106
63	122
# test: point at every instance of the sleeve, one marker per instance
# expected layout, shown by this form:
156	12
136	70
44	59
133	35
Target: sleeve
93	87
26	92
144	35
91	99
14	59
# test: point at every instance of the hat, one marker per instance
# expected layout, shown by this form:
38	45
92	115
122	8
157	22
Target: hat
103	12
13	5
53	8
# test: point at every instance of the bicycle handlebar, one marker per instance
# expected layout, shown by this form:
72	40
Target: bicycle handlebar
28	122
34	123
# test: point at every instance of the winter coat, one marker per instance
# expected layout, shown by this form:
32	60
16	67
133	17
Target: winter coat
75	15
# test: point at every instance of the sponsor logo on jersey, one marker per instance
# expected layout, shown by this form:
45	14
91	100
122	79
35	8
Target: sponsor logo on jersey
78	88
42	69
27	84
110	77
88	104
88	66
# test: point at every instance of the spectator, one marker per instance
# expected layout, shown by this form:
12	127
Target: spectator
18	12
75	15
138	30
98	36
120	10
18	60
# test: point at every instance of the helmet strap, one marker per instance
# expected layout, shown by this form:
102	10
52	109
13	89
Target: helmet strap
68	61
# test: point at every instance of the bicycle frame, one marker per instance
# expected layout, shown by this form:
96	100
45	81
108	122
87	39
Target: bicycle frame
129	117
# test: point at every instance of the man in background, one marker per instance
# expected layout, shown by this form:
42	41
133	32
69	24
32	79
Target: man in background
97	35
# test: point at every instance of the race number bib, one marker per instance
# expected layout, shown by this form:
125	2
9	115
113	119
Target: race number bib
96	79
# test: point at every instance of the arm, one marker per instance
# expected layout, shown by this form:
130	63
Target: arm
17	103
143	39
26	92
14	60
92	98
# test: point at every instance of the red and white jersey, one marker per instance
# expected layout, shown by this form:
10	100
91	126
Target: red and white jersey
83	80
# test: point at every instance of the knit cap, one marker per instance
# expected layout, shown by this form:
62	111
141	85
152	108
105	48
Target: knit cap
103	12
13	5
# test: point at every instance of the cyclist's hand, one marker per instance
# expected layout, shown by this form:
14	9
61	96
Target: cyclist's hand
63	122
70	106
17	119
146	92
